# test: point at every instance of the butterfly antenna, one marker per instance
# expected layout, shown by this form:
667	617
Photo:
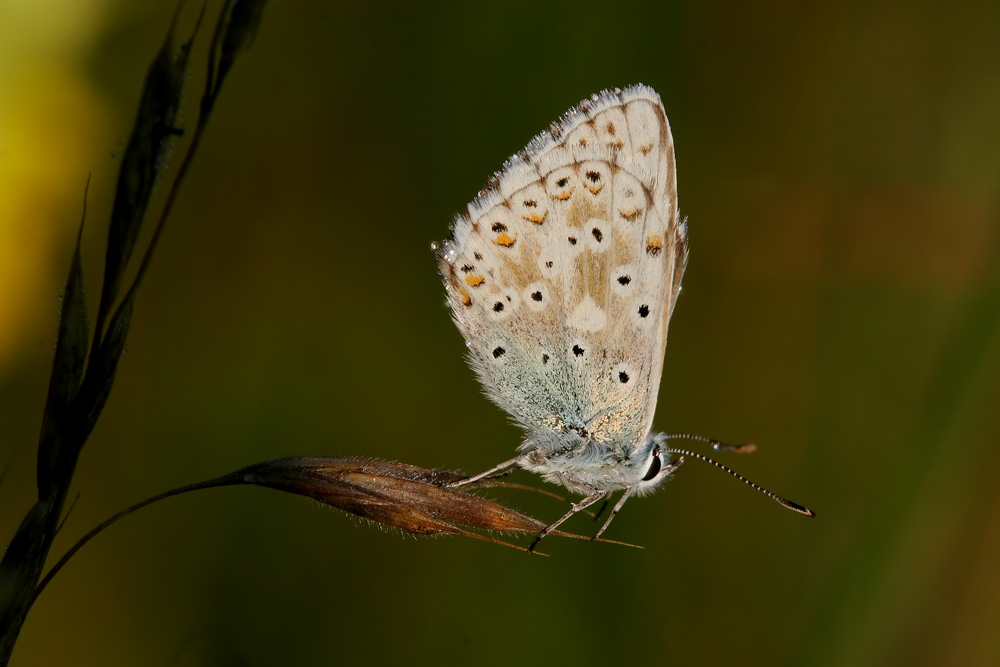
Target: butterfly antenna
717	445
773	496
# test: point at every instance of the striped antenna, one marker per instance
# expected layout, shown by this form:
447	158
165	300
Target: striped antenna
773	496
717	445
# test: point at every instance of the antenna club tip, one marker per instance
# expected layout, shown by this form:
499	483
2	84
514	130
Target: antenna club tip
795	507
748	448
801	509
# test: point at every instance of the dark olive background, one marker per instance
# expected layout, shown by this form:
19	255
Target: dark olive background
840	168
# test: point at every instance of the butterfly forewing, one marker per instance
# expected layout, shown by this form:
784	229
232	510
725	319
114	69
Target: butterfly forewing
563	273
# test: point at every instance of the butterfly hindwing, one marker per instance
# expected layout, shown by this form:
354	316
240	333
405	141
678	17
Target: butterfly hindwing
563	273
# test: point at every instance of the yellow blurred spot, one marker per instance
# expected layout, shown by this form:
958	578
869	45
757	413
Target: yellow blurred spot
51	122
473	280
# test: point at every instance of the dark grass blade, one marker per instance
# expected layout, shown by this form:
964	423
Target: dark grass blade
237	34
145	158
80	386
103	368
58	448
67	371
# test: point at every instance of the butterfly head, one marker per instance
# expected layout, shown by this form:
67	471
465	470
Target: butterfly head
652	465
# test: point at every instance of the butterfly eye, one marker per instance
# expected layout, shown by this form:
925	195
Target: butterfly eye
654	467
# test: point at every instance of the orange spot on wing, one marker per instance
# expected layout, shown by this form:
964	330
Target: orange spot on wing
504	239
564	195
537	218
474	280
654	244
631	215
466	299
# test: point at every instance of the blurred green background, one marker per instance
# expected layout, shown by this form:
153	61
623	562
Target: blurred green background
840	167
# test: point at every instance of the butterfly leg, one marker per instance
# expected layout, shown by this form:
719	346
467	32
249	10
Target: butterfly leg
492	471
614	512
628	492
576	507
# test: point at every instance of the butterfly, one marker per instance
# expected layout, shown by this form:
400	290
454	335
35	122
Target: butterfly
562	275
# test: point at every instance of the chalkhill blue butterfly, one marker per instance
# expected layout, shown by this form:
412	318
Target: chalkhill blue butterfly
562	275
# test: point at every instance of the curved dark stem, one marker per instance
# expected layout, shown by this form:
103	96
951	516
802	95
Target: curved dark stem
226	480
